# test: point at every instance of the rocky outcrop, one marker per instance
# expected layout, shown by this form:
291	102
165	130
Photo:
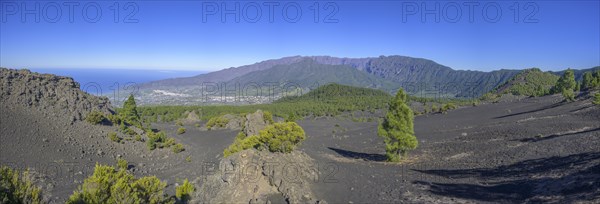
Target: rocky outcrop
260	177
55	95
254	123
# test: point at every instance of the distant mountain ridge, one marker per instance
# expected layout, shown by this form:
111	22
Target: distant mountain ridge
418	76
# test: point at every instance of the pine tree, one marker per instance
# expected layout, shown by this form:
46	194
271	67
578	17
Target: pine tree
597	80
397	128
566	81
596	99
129	112
588	81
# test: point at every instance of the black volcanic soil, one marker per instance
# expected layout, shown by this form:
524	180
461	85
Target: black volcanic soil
532	150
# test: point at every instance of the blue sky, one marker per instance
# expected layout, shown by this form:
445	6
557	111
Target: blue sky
552	35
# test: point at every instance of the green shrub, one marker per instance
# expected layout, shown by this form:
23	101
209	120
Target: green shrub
188	159
568	95
180	131
179	123
596	99
95	117
184	191
219	121
434	108
267	116
138	138
107	185
447	106
278	137
197	125
177	148
113	137
17	187
114	119
155	140
122	164
169	142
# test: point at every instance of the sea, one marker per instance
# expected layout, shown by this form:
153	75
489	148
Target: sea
98	81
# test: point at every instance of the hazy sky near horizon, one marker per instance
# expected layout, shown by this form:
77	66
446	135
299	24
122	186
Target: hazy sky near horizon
207	35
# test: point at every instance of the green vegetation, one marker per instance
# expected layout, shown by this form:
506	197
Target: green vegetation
179	123
588	81
95	117
568	95
278	137
113	137
160	140
268	116
183	192
188	159
16	187
566	82
327	100
529	82
107	185
177	148
596	99
447	106
397	128
180	130
129	113
219	121
155	140
122	164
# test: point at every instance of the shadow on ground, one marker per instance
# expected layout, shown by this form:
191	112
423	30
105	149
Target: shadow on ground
576	176
532	111
359	155
553	136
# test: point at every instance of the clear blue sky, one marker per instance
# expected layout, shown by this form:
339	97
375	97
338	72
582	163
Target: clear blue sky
174	35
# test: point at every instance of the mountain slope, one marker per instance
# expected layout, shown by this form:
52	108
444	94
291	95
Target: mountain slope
219	76
422	75
309	73
530	82
416	75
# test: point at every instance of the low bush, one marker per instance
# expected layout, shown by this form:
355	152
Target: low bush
268	116
177	148
16	187
181	130
447	106
95	117
184	191
179	123
596	99
114	119
107	185
155	140
138	138
169	142
113	137
218	121
278	137
122	164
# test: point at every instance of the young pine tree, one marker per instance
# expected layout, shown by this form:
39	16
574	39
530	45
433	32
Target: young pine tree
566	82
129	113
397	128
588	81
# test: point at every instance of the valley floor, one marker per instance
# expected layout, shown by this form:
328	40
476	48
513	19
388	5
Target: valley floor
530	150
